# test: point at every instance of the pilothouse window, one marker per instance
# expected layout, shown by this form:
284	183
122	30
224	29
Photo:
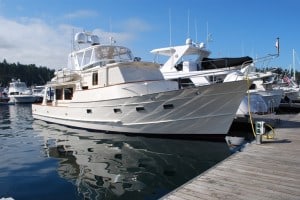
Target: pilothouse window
168	106
117	110
64	93
58	94
68	92
95	78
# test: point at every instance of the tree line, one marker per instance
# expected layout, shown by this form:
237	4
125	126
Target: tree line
30	74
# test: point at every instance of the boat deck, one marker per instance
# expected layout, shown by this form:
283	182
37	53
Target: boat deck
270	170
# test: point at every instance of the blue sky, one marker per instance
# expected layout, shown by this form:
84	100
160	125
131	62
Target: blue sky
40	32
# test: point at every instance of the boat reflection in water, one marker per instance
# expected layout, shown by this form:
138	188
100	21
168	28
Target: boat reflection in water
114	166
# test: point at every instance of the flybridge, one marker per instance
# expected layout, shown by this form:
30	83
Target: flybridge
190	51
96	54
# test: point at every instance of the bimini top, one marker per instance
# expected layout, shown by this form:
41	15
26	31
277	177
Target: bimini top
215	63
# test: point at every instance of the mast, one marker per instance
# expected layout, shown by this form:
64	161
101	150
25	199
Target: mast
188	31
294	71
170	27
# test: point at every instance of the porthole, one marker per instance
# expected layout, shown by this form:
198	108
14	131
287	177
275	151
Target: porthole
139	108
117	110
168	106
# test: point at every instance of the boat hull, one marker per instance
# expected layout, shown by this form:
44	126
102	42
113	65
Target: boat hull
199	110
272	98
22	98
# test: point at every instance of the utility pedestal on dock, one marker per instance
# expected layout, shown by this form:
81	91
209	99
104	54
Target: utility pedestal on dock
259	130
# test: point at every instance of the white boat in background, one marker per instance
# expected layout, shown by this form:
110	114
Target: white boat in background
106	88
262	84
18	92
190	66
289	85
257	105
291	90
38	91
270	95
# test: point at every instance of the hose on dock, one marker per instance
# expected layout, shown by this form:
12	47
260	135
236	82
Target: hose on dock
267	136
249	109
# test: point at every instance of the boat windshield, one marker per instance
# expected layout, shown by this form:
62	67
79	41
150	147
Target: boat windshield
18	85
113	53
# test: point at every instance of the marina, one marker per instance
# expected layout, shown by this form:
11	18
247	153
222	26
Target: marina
109	126
123	100
269	170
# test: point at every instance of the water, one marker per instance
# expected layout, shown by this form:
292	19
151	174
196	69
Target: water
49	161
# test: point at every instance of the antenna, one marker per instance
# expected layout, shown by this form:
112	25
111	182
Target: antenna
110	26
208	35
294	72
277	46
170	27
188	33
196	31
72	40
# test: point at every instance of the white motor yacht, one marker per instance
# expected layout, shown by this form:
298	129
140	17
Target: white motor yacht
106	88
262	84
190	65
18	92
290	88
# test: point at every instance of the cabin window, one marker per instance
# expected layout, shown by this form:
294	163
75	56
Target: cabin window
212	79
58	94
14	93
95	78
184	82
68	92
117	110
139	108
168	106
88	111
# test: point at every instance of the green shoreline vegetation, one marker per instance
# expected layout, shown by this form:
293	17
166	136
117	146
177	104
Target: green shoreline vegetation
30	74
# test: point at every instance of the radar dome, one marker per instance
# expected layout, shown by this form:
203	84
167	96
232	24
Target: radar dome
188	41
95	40
202	45
80	38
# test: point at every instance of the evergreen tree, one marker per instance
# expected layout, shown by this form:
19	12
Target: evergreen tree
30	74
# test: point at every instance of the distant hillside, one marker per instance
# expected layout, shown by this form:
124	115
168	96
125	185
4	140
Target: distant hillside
30	74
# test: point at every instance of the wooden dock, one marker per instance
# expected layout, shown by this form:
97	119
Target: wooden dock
270	170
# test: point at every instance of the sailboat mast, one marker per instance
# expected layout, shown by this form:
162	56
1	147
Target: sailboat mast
170	27
294	71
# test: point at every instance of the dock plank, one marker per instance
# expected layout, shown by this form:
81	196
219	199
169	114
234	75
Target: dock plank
270	170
